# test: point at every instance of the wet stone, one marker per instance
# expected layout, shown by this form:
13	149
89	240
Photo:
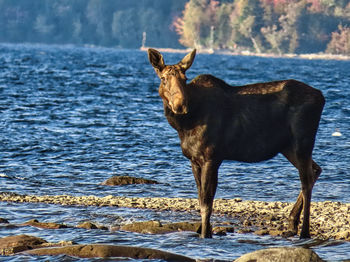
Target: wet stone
3	221
223	230
261	232
46	225
87	225
156	227
105	251
127	180
328	220
14	244
281	254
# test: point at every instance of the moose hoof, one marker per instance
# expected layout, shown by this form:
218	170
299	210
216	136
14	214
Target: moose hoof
305	235
205	233
208	235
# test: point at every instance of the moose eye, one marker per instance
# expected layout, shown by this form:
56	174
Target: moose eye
163	79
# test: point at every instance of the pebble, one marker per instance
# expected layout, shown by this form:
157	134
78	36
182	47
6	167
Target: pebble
328	219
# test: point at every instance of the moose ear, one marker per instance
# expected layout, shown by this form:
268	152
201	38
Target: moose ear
156	60
187	61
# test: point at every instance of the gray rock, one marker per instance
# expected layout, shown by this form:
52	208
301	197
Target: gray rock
281	254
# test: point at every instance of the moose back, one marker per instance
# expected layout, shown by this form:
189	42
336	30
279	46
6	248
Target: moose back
252	123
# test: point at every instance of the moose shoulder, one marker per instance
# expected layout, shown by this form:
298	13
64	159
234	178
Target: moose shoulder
252	123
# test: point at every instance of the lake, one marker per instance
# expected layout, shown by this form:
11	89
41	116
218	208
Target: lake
71	117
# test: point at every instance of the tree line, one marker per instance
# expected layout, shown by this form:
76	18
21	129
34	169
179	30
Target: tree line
269	26
261	26
116	23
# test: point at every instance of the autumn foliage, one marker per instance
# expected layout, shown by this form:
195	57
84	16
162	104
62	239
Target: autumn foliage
340	43
273	26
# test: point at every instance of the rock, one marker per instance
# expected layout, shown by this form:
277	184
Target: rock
36	223
345	235
261	232
244	231
127	180
104	251
276	232
3	220
289	233
223	230
183	226
150	227
87	225
14	244
156	227
282	254
328	219
8	226
247	223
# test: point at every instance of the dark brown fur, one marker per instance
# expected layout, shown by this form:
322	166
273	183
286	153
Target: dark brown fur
252	123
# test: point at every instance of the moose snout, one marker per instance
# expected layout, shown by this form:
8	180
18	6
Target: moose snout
178	106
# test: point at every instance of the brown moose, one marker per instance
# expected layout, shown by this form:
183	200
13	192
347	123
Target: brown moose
251	123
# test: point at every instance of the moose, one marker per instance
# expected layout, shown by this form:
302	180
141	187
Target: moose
251	123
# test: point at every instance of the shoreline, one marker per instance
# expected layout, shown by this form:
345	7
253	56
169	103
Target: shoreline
328	220
310	56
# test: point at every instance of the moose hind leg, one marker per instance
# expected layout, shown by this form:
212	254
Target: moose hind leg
307	178
294	216
317	171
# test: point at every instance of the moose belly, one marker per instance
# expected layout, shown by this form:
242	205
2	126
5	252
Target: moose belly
257	143
250	154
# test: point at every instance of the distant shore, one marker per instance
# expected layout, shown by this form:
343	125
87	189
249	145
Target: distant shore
311	56
329	220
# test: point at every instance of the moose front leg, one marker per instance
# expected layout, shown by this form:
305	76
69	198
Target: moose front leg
207	180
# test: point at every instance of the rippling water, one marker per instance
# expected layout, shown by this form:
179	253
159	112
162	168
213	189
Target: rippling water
72	117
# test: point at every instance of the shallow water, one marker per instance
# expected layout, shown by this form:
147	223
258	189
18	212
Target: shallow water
72	117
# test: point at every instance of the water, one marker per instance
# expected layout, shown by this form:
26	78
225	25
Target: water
71	117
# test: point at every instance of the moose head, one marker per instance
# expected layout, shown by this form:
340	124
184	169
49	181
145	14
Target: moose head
172	87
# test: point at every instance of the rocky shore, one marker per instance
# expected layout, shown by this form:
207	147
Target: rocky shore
35	246
329	220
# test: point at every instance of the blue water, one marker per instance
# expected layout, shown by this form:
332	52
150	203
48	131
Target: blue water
71	117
